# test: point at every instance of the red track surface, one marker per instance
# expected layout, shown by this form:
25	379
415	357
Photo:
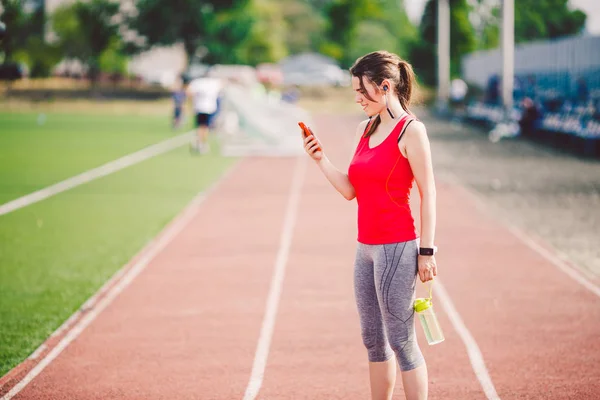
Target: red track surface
188	326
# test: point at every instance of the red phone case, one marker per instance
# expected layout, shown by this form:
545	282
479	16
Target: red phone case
307	132
305	129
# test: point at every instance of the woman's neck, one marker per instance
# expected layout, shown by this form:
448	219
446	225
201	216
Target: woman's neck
396	109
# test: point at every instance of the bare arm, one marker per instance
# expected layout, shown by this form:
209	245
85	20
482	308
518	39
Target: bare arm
338	179
418	151
416	148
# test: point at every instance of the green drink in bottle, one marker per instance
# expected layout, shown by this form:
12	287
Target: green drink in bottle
429	322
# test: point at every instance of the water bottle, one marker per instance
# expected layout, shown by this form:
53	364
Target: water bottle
429	322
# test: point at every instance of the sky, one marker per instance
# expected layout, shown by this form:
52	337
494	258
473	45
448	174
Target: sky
414	9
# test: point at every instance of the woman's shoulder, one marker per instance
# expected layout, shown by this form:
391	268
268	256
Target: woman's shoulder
415	127
360	130
414	135
363	125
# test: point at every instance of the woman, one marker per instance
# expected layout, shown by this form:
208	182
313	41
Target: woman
391	151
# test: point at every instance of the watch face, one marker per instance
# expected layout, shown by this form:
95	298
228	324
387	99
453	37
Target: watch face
424	251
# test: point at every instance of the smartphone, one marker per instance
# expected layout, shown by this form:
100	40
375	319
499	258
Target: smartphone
305	129
306	132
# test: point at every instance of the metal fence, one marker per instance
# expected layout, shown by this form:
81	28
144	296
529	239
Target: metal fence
556	64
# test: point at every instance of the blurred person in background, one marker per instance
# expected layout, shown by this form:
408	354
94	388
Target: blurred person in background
179	96
213	117
458	93
518	88
529	116
391	152
204	94
530	87
492	91
596	112
582	93
291	94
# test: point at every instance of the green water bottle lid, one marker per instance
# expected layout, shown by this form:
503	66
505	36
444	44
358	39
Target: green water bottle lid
422	304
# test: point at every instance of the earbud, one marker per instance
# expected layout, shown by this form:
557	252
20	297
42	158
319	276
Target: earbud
385	89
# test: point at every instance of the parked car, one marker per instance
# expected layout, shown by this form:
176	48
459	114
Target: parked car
11	71
313	69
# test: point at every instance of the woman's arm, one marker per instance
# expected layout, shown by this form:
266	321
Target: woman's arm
338	179
418	151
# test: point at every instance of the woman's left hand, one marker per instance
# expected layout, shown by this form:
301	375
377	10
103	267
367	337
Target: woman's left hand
427	268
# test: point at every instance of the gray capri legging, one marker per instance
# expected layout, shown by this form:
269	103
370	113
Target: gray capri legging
384	285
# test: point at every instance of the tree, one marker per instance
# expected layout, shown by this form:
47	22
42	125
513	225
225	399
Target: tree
484	17
462	40
248	34
85	30
38	55
546	19
534	20
344	17
305	26
38	17
390	29
18	27
24	42
112	60
373	36
164	22
266	41
234	31
400	28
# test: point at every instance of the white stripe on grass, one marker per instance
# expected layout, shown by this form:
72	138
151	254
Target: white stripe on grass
103	170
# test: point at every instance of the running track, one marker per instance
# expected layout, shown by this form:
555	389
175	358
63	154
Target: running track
188	326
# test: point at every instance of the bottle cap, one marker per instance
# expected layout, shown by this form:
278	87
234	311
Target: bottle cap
422	304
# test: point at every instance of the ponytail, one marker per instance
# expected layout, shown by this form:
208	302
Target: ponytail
404	88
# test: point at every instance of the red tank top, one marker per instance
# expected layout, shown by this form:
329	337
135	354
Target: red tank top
382	179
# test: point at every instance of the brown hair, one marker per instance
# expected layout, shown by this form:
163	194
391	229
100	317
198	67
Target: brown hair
381	65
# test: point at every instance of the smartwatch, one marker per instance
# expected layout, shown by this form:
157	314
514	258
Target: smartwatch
427	251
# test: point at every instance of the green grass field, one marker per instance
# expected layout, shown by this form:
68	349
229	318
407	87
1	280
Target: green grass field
34	155
56	253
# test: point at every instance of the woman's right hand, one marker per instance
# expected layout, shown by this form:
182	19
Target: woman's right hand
313	148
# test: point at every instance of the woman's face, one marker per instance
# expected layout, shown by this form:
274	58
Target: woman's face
370	107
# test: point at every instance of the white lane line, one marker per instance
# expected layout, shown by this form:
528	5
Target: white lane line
145	257
71	320
564	267
37	353
487	206
472	349
95	173
266	331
